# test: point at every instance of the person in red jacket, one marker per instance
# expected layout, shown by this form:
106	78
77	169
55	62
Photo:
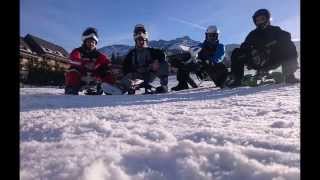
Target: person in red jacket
86	61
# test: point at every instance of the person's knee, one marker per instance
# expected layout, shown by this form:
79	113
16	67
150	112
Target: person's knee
239	58
236	53
289	66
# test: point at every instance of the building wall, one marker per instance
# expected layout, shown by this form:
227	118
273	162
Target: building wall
41	70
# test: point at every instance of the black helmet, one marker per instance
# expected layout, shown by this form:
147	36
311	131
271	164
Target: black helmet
90	32
139	31
261	12
139	28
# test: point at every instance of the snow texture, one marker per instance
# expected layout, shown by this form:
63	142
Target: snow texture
196	134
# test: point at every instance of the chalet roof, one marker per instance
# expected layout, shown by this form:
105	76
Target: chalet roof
46	46
24	46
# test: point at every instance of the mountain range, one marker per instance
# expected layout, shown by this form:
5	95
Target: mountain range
169	46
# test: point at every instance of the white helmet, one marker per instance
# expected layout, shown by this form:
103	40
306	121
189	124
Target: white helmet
90	32
212	29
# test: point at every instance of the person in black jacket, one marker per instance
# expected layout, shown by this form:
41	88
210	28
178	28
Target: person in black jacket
265	48
145	63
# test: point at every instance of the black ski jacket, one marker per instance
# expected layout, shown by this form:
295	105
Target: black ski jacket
272	38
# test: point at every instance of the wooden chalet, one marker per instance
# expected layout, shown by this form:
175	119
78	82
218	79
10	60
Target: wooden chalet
53	55
27	58
41	61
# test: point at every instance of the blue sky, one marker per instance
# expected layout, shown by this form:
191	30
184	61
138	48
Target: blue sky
63	21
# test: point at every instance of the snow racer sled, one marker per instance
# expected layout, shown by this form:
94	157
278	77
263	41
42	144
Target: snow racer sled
261	78
90	85
187	57
116	89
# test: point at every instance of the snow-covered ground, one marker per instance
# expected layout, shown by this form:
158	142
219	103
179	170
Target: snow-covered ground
197	134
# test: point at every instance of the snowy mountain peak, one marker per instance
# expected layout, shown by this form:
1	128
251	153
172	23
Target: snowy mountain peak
122	50
184	38
118	49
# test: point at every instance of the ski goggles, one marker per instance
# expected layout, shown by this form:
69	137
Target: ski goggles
90	36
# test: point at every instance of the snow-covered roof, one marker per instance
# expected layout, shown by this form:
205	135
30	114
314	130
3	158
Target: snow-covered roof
46	46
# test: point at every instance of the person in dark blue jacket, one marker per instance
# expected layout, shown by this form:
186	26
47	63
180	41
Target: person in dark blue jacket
209	60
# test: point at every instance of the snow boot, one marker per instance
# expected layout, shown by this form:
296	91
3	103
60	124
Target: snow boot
232	82
148	91
70	90
291	79
180	86
162	89
131	91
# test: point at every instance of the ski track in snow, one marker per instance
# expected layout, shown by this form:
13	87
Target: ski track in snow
196	134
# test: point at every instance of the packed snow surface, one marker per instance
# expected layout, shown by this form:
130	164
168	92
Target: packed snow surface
197	134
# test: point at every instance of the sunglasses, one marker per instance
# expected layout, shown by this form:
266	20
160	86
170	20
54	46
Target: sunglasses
141	39
212	35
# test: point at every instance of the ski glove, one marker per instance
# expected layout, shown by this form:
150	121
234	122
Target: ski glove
102	70
259	58
155	66
207	62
